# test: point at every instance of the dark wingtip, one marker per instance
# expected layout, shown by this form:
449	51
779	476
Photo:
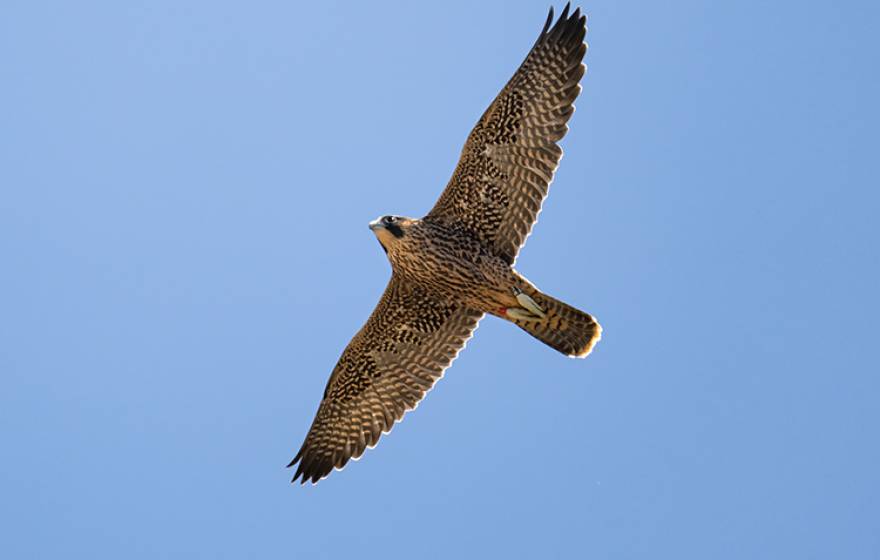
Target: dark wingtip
310	469
564	14
299	474
295	459
569	27
299	468
546	27
549	21
562	23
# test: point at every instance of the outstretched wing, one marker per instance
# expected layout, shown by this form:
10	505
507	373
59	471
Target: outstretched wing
509	158
387	368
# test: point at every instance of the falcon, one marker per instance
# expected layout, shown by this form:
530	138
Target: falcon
455	265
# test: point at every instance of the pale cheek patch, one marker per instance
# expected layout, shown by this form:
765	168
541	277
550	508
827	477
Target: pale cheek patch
385	238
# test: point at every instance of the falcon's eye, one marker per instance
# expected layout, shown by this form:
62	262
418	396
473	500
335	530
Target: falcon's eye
392	227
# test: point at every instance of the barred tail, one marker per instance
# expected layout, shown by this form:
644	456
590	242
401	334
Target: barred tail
563	327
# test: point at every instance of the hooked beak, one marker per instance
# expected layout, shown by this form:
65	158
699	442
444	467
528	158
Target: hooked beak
376	224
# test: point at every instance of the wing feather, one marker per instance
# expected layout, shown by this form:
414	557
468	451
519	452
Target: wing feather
387	368
510	156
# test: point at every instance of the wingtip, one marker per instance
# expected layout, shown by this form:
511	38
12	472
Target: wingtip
546	28
296	459
302	480
310	469
564	14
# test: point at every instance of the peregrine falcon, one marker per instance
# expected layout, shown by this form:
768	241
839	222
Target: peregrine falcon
454	265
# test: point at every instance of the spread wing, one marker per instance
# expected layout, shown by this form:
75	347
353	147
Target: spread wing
509	158
387	368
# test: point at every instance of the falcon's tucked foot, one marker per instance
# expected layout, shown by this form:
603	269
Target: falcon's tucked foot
528	303
556	324
520	314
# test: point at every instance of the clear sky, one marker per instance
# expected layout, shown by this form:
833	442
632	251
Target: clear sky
184	196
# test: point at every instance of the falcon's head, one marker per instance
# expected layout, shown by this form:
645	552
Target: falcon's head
390	230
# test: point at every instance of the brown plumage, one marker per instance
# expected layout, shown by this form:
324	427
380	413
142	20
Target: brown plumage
456	264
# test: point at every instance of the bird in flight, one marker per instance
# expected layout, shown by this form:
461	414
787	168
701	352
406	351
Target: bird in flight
454	265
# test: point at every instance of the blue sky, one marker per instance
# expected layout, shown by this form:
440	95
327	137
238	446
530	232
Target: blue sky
184	193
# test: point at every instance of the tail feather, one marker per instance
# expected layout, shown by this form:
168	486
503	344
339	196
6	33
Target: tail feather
563	327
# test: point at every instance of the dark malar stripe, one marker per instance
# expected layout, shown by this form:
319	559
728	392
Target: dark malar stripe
395	230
